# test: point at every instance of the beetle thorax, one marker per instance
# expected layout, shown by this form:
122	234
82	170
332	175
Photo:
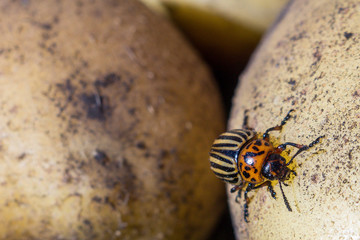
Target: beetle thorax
252	159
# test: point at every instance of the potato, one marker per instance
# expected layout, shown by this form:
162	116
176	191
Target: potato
308	62
237	25
106	120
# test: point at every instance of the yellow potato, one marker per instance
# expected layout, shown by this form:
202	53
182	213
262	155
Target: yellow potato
308	62
106	120
256	14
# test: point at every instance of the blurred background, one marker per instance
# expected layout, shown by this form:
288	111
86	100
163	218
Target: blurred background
225	33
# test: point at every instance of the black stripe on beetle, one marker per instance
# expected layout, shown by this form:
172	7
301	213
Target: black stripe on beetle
248	132
225	175
241	134
221	167
232	138
233	181
225	145
214	155
229	153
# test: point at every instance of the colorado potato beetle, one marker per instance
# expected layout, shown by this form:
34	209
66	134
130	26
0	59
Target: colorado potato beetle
249	162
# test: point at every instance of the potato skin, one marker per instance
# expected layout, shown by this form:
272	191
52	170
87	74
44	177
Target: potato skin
105	125
309	62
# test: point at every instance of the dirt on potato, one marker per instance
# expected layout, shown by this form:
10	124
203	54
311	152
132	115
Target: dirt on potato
309	62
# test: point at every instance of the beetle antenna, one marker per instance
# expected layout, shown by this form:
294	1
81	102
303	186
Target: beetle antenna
278	127
285	199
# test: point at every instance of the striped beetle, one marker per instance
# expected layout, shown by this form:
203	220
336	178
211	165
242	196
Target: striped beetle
248	162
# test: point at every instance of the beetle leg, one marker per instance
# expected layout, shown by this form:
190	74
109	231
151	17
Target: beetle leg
238	196
301	147
247	201
278	127
270	188
234	189
239	189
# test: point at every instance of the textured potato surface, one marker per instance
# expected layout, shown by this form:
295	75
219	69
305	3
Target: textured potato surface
105	123
308	62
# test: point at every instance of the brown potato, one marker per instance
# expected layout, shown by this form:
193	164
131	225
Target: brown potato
308	62
106	120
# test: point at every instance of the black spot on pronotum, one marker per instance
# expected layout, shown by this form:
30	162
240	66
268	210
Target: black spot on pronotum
255	170
255	148
258	142
267	144
247	168
253	180
246	174
249	157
